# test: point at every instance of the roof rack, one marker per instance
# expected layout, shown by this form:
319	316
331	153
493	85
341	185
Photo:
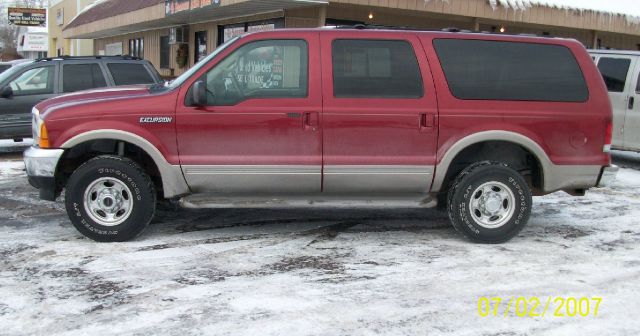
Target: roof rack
363	26
66	57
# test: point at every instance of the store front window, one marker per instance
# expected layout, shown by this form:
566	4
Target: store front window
227	32
200	51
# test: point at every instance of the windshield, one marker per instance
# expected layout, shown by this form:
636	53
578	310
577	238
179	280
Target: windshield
11	71
178	81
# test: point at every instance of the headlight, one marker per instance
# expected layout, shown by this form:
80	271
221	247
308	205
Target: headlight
35	126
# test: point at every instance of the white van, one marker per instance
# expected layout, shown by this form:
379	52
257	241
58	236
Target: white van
620	70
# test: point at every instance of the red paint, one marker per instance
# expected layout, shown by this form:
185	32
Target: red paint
335	131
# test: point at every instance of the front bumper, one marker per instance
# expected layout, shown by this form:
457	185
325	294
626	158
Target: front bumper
41	169
608	175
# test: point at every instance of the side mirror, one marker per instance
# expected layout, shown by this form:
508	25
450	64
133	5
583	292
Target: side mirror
199	93
6	92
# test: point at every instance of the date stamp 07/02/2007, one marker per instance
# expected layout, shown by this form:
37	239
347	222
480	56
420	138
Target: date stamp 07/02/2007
551	306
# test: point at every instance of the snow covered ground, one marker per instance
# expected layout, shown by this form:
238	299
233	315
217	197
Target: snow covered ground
319	272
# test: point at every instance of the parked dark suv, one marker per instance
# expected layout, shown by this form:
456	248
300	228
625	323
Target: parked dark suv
26	84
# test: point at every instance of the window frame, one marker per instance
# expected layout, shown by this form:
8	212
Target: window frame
166	65
102	71
137	63
303	41
626	77
136	47
453	93
422	90
36	92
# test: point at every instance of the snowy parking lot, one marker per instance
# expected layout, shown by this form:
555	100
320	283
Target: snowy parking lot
317	272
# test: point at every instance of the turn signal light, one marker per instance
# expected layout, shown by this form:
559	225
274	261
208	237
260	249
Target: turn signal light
43	141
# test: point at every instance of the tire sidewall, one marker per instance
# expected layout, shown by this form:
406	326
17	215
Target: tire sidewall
460	211
143	199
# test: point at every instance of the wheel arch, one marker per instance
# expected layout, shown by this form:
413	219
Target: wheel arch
445	164
173	183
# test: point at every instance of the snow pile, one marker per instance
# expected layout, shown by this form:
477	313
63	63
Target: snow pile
628	8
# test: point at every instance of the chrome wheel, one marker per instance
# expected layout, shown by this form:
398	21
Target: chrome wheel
492	205
108	201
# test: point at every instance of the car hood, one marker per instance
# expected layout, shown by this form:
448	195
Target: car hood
93	96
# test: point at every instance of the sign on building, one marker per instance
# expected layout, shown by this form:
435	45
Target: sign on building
30	17
34	42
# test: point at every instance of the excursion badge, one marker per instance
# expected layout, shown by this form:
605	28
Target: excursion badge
155	120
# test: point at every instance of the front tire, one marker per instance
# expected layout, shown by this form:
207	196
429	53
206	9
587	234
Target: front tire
489	202
110	199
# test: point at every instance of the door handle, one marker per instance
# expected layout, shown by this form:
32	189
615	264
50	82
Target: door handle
631	102
311	121
427	121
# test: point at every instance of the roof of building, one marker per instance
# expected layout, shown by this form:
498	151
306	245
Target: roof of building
102	9
628	8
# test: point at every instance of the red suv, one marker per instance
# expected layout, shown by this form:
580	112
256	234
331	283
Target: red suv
480	122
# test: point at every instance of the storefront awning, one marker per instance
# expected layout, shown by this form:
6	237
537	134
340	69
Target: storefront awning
116	17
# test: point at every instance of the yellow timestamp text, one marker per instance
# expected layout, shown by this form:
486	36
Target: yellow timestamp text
554	306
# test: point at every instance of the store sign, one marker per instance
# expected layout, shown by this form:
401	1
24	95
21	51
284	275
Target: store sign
231	32
261	27
34	42
113	49
30	17
175	6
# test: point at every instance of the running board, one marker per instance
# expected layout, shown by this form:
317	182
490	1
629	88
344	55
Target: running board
208	201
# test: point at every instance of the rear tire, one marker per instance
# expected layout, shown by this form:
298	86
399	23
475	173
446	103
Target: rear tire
110	199
489	202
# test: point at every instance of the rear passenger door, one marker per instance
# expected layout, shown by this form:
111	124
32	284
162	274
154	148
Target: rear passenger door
617	74
78	75
379	114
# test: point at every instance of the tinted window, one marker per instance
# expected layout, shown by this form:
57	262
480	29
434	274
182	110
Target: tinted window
34	81
375	68
274	69
477	69
614	72
129	73
4	67
638	85
76	77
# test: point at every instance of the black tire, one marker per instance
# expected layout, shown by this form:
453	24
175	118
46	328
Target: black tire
93	178
466	193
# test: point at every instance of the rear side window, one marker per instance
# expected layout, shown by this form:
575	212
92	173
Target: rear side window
493	70
614	72
129	73
76	77
4	67
375	69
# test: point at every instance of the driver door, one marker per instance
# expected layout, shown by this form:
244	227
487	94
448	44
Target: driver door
30	87
259	131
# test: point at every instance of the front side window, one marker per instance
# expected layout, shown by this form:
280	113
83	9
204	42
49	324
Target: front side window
614	72
262	69
375	69
76	77
498	70
34	81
